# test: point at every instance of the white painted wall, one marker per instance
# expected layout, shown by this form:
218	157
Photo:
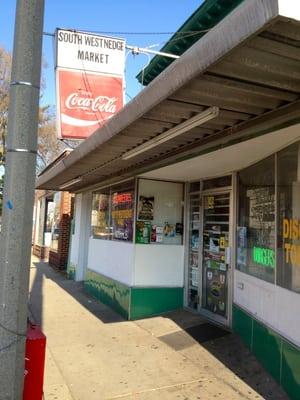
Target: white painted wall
74	250
112	258
159	265
272	305
80	238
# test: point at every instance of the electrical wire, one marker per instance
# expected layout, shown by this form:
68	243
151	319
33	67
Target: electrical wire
9	345
12	332
128	33
182	35
187	34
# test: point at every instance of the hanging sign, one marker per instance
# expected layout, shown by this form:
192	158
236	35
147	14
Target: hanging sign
89	81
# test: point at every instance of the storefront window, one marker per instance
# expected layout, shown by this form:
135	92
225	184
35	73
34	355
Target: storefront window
41	221
112	213
256	220
53	220
101	215
288	238
159	212
122	215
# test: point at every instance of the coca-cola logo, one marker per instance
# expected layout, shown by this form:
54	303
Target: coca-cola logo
100	103
87	101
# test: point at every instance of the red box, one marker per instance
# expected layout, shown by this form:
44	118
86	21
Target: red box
34	363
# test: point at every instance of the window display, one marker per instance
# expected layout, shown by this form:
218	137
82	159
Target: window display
193	251
122	215
216	219
42	205
112	213
159	212
101	215
256	220
53	220
288	231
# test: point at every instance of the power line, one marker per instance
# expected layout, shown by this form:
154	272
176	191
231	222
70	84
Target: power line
131	33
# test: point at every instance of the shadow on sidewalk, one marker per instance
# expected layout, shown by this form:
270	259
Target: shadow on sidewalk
74	289
223	345
226	347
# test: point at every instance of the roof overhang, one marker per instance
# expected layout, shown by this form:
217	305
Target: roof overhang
248	66
229	159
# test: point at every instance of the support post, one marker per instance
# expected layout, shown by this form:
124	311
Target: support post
15	238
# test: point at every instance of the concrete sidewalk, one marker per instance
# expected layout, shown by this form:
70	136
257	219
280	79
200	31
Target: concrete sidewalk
93	354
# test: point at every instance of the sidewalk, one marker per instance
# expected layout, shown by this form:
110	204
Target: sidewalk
93	354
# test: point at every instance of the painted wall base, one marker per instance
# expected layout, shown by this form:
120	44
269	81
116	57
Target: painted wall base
133	302
277	355
71	271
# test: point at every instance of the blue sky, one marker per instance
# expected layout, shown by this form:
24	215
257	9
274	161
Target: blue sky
104	16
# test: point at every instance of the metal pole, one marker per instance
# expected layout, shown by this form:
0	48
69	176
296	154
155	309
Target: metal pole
15	239
137	50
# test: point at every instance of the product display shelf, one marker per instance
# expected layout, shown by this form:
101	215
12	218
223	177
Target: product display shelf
216	220
193	256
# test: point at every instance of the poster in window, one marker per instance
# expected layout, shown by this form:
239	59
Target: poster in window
169	230
146	208
143	232
209	202
216	294
122	215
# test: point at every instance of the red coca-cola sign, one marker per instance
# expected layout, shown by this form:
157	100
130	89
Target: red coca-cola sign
86	101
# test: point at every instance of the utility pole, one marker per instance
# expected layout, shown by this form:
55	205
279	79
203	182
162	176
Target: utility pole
15	238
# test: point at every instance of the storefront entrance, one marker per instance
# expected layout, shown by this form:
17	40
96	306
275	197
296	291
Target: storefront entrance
215	260
210	258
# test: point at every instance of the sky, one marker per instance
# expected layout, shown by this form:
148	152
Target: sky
131	16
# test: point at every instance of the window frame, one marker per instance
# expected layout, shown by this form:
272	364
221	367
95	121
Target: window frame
122	187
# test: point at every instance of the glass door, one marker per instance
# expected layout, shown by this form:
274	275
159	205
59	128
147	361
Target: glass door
193	252
216	255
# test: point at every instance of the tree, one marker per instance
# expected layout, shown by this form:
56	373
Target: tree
48	146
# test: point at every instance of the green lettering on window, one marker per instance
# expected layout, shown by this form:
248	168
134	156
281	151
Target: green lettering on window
264	256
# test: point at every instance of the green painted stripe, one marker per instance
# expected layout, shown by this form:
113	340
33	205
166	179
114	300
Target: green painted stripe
291	370
153	301
108	291
267	348
132	302
277	355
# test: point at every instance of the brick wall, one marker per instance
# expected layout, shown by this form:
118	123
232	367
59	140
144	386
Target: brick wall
59	258
41	252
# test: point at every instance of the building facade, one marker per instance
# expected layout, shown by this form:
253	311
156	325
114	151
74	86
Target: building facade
189	196
52	227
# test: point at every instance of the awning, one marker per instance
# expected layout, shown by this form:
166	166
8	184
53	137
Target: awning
197	25
248	66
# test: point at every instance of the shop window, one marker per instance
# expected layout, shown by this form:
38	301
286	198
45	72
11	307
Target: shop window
288	238
101	225
122	201
41	222
256	220
159	212
112	213
53	220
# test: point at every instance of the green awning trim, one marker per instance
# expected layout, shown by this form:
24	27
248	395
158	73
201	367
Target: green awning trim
209	14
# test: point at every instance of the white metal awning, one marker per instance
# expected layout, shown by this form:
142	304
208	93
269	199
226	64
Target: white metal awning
248	66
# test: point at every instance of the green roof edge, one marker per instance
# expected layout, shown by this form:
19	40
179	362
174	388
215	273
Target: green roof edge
209	14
